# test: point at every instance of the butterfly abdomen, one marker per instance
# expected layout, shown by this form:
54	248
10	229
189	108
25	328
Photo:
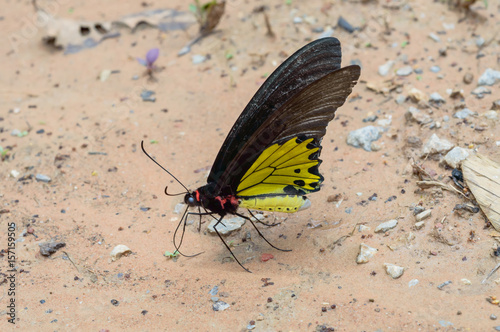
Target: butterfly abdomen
278	203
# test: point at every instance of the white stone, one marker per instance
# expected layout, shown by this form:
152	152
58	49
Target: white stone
14	173
492	115
119	251
404	71
227	225
435	37
384	69
419	225
363	228
466	281
456	155
385	226
413	282
393	270
436	145
423	215
365	253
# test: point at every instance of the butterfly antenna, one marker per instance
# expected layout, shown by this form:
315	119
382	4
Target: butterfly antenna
163	168
258	231
178	194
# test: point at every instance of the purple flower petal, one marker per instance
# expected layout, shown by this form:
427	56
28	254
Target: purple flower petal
152	55
142	62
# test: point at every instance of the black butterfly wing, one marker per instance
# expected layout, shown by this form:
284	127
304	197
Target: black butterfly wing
305	66
296	102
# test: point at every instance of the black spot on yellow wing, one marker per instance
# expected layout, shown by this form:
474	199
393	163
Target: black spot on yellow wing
290	168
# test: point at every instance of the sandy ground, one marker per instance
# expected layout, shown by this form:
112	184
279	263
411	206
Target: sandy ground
97	201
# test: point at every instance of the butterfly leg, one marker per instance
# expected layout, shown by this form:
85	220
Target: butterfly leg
258	231
184	222
227	246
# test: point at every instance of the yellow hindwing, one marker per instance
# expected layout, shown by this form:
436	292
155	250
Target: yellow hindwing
283	169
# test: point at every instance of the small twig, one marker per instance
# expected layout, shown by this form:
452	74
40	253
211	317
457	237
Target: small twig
69	258
491	273
428	184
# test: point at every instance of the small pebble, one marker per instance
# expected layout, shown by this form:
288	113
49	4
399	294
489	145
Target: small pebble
197	59
147	95
228	226
436	97
404	71
419	225
435	69
489	77
493	317
384	227
435	37
115	302
342	22
413	282
384	69
464	113
363	137
436	145
365	253
220	306
393	270
468	78
423	215
440	287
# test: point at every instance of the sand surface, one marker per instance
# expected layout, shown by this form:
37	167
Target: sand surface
95	202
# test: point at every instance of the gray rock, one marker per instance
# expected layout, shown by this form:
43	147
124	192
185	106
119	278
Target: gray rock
489	77
147	95
464	113
197	59
15	132
365	253
400	99
220	306
480	91
496	105
43	178
384	69
417	209
227	225
435	69
436	97
385	226
48	248
363	137
214	291
436	145
456	155
404	71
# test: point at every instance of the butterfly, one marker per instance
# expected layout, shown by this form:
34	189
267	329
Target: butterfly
270	158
